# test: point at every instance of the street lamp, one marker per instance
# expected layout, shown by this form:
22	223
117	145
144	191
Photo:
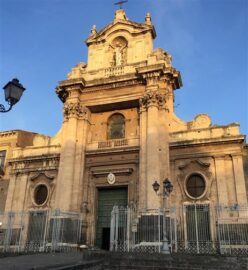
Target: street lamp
13	91
167	189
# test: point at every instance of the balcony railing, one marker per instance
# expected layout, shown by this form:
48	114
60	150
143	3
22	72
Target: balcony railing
113	143
113	71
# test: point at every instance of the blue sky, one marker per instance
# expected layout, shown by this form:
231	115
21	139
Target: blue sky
41	40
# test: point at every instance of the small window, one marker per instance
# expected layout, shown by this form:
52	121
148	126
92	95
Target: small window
195	185
40	194
2	159
116	126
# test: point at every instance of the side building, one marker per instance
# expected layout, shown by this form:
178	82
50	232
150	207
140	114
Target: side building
119	135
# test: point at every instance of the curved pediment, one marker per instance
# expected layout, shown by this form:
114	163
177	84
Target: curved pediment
127	27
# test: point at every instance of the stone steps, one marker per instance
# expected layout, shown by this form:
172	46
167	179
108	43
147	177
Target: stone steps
132	261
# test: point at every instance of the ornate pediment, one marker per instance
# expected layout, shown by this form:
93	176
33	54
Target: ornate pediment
42	174
195	161
195	167
132	28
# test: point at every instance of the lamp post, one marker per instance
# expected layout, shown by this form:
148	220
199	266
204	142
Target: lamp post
13	91
167	189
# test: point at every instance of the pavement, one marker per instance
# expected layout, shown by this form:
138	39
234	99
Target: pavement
42	261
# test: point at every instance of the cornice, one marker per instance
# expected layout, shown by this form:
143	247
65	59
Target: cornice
112	151
112	85
121	171
34	158
205	142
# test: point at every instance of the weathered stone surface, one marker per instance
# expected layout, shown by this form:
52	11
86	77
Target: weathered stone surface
124	75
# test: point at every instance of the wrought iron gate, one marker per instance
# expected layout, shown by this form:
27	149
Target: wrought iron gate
192	228
39	231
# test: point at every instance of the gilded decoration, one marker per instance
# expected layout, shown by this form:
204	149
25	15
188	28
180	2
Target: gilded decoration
75	110
153	99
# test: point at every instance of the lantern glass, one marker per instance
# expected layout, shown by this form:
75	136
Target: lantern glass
155	186
168	187
13	91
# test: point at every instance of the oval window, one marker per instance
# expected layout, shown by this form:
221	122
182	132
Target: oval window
195	185
40	194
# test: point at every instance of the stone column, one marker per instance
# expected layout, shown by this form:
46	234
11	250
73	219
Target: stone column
152	100
11	191
239	178
221	180
79	166
143	164
20	201
72	112
164	151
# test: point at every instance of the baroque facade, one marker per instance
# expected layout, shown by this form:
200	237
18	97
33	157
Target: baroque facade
119	135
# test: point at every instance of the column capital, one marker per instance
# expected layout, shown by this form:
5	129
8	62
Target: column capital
236	155
153	98
76	110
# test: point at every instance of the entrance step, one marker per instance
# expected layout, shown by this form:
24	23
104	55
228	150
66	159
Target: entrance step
132	261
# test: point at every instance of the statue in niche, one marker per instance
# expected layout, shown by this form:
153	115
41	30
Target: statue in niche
119	47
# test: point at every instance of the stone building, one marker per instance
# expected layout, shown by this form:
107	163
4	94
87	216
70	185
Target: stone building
119	135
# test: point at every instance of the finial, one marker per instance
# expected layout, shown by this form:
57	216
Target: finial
93	30
120	3
148	18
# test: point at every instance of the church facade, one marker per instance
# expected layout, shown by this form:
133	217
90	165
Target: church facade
119	135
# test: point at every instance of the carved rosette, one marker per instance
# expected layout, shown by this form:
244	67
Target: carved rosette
76	110
153	99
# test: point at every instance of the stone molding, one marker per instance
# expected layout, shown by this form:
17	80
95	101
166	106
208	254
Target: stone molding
151	77
40	178
48	176
61	93
109	85
195	166
154	98
36	164
76	110
121	171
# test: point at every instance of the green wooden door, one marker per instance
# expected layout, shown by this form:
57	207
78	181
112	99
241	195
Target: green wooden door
107	199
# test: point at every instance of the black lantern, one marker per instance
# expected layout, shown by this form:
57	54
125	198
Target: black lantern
13	91
168	187
155	186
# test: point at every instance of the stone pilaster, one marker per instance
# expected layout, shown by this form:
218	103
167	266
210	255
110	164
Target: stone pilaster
11	190
153	102
221	180
143	161
79	168
73	111
238	171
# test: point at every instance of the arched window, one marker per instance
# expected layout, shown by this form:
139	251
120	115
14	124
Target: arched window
116	126
195	185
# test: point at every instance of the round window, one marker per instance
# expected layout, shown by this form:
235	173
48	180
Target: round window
40	194
195	185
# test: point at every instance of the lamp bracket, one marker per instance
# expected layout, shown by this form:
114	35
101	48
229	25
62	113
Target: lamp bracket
3	110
